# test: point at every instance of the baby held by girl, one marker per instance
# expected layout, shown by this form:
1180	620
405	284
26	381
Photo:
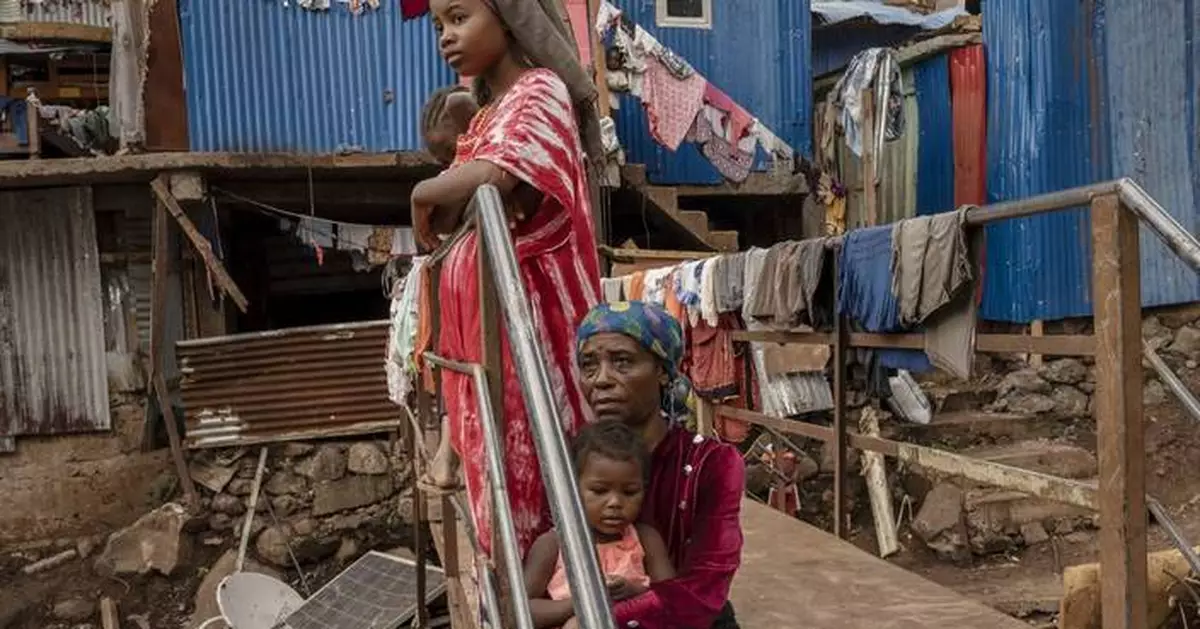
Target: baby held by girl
611	464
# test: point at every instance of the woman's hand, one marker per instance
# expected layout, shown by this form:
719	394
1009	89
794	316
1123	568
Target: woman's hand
620	588
423	232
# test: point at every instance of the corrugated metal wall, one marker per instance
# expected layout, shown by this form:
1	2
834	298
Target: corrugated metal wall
267	75
935	155
1042	116
968	85
52	360
757	51
897	168
1082	92
1153	92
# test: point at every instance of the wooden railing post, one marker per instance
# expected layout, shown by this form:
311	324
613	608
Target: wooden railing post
1116	293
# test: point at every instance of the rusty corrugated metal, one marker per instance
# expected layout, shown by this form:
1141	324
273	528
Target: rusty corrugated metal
300	383
53	377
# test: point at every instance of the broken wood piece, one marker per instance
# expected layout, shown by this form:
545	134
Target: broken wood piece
181	467
1080	608
877	486
249	523
109	617
51	562
171	205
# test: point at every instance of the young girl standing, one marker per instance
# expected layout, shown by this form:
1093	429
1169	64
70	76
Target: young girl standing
611	464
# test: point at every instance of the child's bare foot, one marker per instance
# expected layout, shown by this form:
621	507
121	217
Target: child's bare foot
442	475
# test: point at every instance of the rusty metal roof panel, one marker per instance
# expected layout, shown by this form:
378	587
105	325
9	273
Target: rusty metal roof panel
53	374
300	383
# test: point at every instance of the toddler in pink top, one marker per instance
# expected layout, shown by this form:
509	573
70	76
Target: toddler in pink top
611	463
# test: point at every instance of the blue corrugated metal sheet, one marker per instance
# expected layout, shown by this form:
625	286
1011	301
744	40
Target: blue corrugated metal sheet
935	150
757	52
834	46
1080	92
267	75
1042	118
1153	96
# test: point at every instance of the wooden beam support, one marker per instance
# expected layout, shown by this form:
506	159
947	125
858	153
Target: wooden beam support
1063	490
171	206
1116	293
1054	345
155	380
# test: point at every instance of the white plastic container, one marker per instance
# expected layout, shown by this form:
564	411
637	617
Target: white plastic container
908	400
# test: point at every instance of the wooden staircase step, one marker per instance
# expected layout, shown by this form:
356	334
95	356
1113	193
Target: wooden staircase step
724	240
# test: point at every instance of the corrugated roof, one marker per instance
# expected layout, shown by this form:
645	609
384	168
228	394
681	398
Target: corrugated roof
53	375
845	10
968	85
271	76
286	384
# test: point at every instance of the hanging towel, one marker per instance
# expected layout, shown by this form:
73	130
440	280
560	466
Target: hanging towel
932	279
403	242
671	103
353	237
865	292
610	287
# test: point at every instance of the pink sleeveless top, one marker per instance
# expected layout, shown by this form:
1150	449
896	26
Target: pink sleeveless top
622	558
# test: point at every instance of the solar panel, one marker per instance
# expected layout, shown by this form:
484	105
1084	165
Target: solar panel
379	591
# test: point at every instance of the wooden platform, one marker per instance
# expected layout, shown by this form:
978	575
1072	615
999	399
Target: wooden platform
795	575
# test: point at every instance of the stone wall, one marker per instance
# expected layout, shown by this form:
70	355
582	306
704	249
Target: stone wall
1065	387
69	486
320	499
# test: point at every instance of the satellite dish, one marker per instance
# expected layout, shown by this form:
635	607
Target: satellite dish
249	600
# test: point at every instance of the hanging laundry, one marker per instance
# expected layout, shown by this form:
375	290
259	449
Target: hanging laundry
739	120
425	316
708	292
379	245
793	273
353	237
716	366
606	14
636	290
781	395
728	273
412	9
671	104
733	163
318	234
403	314
654	287
865	292
932	279
676	65
610	288
846	101
687	289
404	243
671	303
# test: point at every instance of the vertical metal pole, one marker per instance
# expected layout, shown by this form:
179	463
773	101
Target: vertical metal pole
840	341
1116	293
492	361
424	410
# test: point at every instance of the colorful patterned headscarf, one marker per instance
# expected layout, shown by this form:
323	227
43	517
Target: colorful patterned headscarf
645	322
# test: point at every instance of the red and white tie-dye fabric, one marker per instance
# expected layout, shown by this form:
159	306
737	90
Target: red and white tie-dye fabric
671	103
531	133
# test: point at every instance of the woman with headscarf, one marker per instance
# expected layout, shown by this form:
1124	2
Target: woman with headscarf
526	140
628	356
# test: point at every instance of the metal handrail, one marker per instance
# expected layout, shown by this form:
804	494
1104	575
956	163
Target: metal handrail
575	538
499	487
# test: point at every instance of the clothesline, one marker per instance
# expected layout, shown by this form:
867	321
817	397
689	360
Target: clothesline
296	215
681	104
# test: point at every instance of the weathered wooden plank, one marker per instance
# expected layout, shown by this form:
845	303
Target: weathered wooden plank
1116	293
